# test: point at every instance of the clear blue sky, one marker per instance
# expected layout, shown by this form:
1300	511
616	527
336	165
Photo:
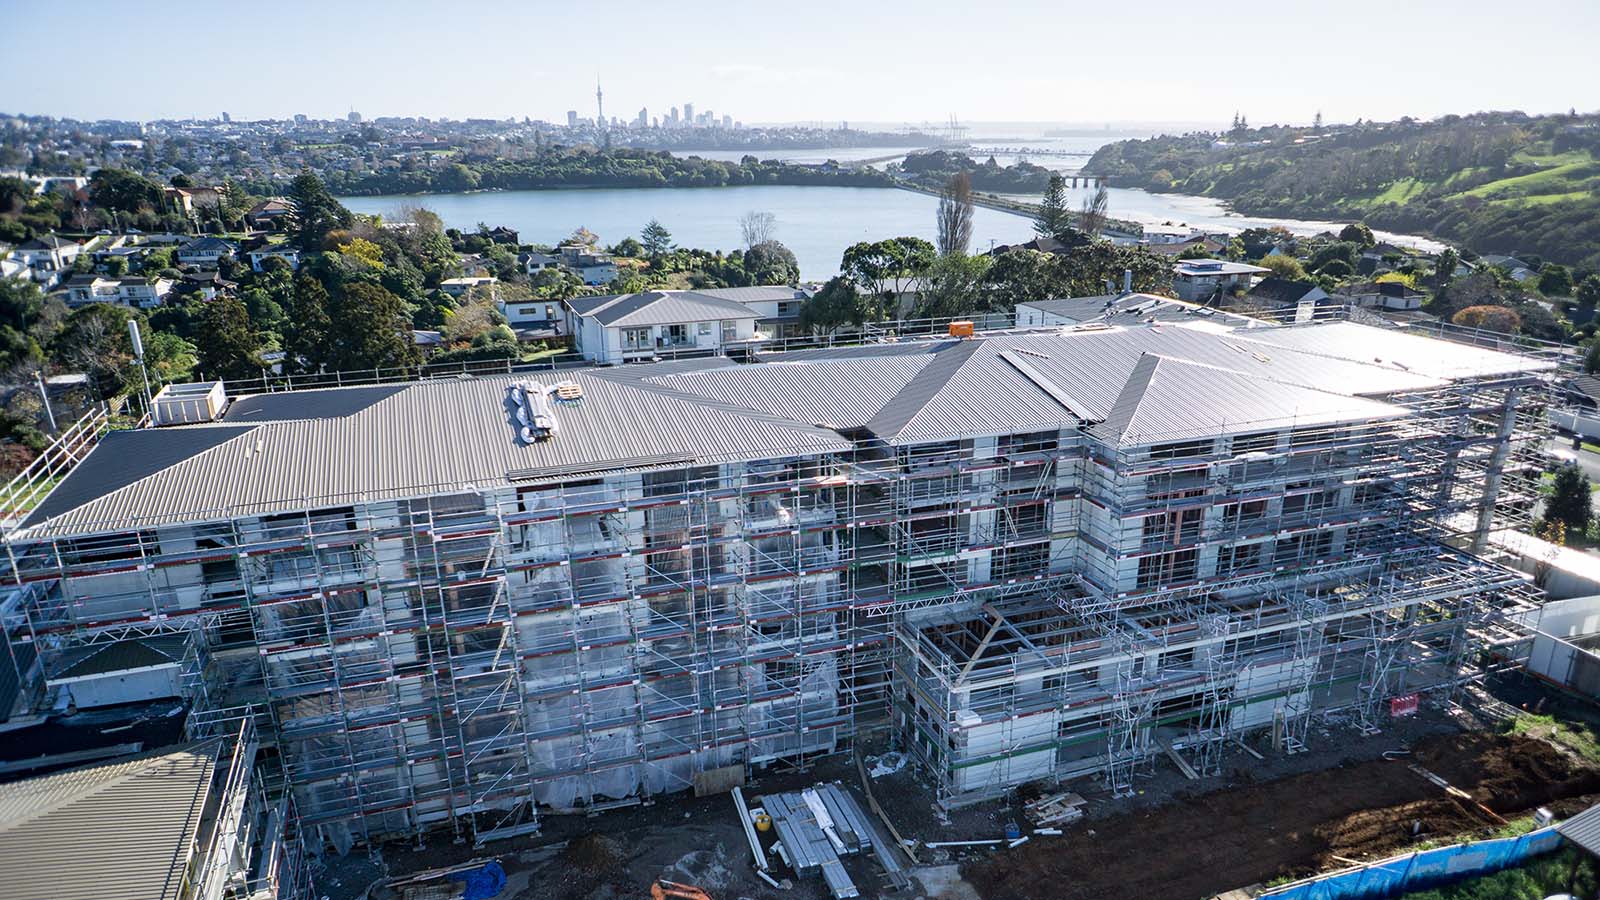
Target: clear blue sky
1056	60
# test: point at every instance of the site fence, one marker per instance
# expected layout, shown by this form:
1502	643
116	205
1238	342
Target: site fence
1422	869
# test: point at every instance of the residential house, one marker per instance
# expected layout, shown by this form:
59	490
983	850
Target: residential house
1290	299
592	267
534	263
205	251
1516	268
187	200
1206	244
272	214
456	287
1200	279
619	328
534	318
1385	295
128	290
500	234
778	306
1167	234
47	257
284	251
205	285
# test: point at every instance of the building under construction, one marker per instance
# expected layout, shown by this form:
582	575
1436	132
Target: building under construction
464	604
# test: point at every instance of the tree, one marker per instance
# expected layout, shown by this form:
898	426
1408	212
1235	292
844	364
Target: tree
1570	501
21	303
226	346
1588	292
656	239
94	339
1490	318
316	212
954	216
836	305
1020	276
886	268
1053	219
758	228
371	329
1359	234
124	191
1283	265
1444	268
583	237
307	341
1093	219
1555	280
1591	358
954	286
770	262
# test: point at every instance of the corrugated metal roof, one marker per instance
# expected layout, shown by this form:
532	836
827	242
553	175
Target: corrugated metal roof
841	393
115	831
1583	829
282	407
761	293
663	308
452	436
120	656
432	437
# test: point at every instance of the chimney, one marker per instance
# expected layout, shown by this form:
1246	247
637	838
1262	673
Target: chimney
1127	281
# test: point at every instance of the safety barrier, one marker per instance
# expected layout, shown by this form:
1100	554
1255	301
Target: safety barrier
1423	869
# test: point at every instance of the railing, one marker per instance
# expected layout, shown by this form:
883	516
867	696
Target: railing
30	486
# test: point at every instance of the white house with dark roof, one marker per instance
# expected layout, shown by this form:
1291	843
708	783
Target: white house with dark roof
620	328
204	252
283	250
1199	279
47	257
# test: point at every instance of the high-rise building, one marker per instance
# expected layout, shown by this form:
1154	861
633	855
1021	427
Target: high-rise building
572	118
354	117
688	115
727	123
225	117
643	119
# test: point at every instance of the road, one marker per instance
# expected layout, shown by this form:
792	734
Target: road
1587	460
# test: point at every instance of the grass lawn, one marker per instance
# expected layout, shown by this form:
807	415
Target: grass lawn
1575	736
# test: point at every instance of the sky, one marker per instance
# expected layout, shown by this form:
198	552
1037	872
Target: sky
821	61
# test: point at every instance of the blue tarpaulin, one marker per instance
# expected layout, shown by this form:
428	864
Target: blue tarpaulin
486	881
1425	869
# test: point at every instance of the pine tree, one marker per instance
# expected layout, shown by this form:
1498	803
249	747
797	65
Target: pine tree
306	337
657	240
225	343
371	329
1053	218
315	212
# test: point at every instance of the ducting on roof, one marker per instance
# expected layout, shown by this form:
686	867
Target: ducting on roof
533	416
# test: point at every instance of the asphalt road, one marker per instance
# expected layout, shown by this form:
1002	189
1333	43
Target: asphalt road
1588	460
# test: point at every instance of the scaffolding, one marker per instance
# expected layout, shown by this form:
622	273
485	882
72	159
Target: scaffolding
1016	607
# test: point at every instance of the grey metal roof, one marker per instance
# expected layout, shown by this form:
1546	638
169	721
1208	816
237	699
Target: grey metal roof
1170	400
1123	309
842	393
452	436
432	437
661	308
764	293
114	831
1583	830
289	405
123	458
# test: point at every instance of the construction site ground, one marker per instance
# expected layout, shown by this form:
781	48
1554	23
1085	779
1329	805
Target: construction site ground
1260	821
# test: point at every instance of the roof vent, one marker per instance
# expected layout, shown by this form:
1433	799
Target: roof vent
531	413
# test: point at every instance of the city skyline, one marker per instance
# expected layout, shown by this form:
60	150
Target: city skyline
1029	63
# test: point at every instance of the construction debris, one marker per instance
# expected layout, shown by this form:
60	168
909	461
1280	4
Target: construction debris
1053	808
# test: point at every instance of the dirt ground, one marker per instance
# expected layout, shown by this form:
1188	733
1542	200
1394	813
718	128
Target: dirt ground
1280	816
1239	836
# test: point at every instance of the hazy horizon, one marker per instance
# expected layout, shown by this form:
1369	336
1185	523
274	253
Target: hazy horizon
1162	62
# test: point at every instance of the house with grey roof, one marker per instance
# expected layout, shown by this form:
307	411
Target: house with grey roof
1116	309
1202	279
618	328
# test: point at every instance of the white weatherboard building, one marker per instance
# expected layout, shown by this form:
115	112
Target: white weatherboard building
1033	555
629	327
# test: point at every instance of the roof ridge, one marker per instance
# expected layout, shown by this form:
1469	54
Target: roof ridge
1128	399
938	373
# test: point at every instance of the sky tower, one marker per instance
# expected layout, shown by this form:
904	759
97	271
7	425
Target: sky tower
599	104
